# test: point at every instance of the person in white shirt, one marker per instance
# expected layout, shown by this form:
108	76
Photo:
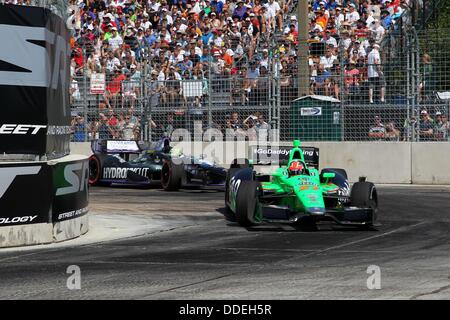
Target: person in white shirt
329	40
328	59
112	62
375	74
274	10
116	40
167	17
345	39
353	15
377	31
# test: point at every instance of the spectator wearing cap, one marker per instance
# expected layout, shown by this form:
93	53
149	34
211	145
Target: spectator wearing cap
441	127
377	131
217	64
425	126
228	60
115	41
240	11
352	16
377	31
112	62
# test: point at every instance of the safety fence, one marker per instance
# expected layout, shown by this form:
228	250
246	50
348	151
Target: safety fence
353	92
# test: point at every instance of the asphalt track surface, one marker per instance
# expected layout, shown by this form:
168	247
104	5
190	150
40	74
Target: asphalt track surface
205	257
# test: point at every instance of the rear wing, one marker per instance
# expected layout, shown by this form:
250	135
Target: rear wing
115	146
279	155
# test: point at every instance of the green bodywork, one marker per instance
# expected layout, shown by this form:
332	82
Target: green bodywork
302	193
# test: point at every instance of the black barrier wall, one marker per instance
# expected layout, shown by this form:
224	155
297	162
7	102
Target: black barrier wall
34	82
43	193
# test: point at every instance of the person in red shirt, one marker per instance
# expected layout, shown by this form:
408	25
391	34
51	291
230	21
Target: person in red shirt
114	87
106	22
293	35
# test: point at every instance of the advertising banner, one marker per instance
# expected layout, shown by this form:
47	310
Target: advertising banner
34	82
26	193
70	180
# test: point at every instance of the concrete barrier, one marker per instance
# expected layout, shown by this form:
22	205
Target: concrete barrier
380	162
430	163
43	201
83	148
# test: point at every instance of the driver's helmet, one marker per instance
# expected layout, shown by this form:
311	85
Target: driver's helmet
295	168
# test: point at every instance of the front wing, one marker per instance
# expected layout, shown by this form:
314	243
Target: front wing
353	216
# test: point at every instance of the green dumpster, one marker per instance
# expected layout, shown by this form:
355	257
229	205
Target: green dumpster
315	118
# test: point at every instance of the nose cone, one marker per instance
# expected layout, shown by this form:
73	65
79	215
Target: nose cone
315	210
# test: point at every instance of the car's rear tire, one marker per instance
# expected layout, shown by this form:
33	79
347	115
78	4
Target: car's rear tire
248	208
240	163
364	194
95	171
171	175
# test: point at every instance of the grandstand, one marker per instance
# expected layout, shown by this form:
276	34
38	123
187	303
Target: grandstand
203	60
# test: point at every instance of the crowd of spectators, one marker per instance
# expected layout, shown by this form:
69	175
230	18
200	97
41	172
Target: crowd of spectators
426	128
227	45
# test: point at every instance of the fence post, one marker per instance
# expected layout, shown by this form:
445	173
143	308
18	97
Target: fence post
144	103
85	86
210	91
342	89
408	124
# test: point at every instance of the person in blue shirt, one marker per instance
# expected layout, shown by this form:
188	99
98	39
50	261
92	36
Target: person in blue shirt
207	36
79	129
386	19
150	37
322	80
218	5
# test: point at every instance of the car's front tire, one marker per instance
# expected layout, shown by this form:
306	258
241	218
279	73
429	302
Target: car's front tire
248	208
234	167
364	194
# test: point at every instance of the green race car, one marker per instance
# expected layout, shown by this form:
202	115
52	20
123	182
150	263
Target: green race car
297	192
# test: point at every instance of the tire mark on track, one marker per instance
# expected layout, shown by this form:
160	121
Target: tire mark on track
438	290
187	285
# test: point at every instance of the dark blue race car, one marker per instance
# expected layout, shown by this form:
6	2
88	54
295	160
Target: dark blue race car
127	162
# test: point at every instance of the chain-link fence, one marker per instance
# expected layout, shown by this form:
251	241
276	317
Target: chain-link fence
353	96
361	84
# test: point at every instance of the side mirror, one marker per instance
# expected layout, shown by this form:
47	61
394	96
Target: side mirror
328	175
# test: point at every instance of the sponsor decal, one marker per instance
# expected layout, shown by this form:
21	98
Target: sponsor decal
17	43
344	193
234	187
73	214
272	151
306	152
314	111
8	174
21	128
58	130
121	173
71	177
121	146
24	219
